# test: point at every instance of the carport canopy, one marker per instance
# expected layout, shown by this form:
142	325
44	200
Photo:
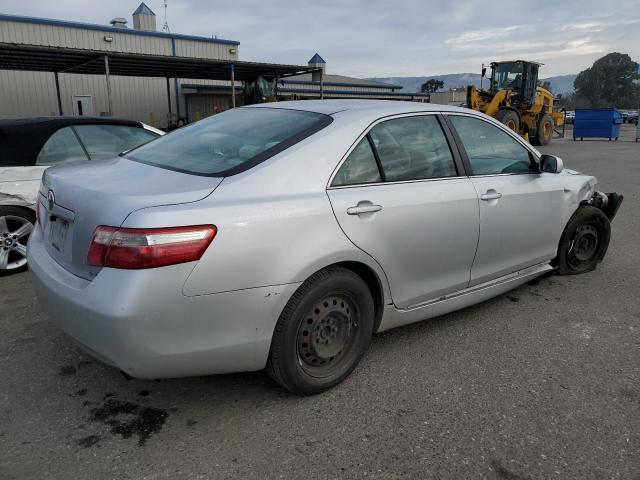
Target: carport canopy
94	62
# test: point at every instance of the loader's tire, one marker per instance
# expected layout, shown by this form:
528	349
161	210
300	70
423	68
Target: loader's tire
544	131
510	119
584	241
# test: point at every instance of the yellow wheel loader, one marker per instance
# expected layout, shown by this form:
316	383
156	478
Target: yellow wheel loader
515	99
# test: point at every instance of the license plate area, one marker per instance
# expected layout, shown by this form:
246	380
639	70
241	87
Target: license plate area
58	229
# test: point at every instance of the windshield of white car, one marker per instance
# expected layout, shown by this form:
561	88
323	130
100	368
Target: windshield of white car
230	142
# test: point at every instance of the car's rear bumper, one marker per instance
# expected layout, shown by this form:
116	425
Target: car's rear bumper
139	321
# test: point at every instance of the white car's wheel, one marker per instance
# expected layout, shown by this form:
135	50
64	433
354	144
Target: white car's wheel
16	225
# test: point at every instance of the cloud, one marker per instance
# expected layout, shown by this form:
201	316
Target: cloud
482	35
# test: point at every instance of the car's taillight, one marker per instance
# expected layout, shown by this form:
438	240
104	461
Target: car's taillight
136	248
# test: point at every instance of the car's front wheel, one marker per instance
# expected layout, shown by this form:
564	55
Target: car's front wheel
322	333
16	224
584	241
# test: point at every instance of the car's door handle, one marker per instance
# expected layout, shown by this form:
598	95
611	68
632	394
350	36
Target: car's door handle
491	195
360	209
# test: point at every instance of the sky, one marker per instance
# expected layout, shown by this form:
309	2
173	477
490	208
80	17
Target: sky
370	38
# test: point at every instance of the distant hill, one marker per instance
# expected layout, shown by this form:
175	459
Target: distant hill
559	84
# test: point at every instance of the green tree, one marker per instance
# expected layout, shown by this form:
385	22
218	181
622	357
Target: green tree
609	82
431	85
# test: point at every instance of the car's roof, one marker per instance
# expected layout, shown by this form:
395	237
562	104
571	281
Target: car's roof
21	139
366	107
65	120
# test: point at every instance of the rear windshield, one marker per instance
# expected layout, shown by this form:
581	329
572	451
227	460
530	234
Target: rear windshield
230	142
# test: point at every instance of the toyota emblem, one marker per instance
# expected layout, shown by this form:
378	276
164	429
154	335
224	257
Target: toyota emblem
51	200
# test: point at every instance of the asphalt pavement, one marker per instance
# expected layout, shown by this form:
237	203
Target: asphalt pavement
540	383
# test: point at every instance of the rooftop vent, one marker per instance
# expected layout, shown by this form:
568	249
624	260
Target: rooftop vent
144	18
119	22
317	62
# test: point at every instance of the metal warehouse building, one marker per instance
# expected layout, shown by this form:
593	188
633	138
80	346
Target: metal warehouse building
338	86
151	100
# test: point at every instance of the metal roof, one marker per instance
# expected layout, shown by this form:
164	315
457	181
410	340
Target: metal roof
91	62
340	81
317	59
107	28
515	61
143	10
353	93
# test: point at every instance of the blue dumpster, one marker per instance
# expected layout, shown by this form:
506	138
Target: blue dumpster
597	123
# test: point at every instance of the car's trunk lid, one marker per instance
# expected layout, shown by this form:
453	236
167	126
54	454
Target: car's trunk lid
75	199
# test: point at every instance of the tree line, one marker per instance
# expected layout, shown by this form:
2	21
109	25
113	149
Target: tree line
612	81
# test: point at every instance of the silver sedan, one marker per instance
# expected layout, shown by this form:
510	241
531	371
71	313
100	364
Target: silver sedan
283	236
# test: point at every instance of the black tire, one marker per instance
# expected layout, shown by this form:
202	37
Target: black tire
510	119
13	218
584	241
544	130
333	305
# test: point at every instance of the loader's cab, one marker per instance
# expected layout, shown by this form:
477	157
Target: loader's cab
519	77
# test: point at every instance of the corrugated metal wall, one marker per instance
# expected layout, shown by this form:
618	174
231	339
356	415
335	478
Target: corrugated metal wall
25	94
189	48
58	36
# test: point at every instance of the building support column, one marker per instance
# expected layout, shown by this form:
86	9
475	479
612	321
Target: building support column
108	78
169	96
321	84
233	86
175	84
55	76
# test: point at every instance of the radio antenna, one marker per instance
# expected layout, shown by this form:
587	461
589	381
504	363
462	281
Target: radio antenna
165	27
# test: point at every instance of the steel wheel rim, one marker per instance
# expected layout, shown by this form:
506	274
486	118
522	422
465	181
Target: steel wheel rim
512	125
585	244
327	335
547	129
14	234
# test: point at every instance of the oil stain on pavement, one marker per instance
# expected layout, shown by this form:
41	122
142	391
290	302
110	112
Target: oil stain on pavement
127	418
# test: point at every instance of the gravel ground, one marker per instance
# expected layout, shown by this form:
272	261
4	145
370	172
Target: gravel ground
540	383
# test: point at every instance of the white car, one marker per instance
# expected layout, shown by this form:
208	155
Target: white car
29	145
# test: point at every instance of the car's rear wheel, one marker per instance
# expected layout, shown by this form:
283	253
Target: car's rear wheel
322	333
584	241
16	225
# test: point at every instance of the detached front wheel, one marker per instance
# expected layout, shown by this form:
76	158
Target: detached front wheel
322	333
584	241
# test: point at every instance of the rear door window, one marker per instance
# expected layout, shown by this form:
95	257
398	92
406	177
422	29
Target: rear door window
62	147
231	141
106	141
413	148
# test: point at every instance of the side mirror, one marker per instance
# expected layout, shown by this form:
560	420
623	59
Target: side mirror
484	71
551	164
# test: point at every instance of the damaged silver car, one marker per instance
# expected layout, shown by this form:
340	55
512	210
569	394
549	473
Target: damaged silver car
283	236
29	145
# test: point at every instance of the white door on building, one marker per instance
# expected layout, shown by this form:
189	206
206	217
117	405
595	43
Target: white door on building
82	105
